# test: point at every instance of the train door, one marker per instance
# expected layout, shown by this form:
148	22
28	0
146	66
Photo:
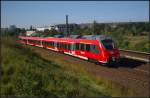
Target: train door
69	48
55	46
41	43
80	50
73	48
88	53
77	49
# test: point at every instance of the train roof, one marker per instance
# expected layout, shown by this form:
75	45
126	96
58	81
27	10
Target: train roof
96	37
32	38
75	36
70	40
83	39
59	36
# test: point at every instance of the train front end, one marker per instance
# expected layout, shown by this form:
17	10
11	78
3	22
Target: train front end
110	50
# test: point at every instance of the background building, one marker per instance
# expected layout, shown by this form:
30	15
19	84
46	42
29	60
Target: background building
44	28
63	28
28	33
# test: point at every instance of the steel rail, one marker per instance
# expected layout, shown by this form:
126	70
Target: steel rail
143	56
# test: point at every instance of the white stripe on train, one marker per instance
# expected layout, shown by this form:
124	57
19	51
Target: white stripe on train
82	57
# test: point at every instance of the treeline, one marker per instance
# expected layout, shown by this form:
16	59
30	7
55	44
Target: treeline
130	28
12	31
127	28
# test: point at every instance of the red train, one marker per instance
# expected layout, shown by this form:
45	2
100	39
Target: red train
96	48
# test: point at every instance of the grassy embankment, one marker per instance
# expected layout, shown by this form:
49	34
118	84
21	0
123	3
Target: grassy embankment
28	73
138	43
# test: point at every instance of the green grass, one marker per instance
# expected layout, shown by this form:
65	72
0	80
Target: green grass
26	72
138	43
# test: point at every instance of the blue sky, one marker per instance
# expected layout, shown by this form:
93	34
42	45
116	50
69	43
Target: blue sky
43	13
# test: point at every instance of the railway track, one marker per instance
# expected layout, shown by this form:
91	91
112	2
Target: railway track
142	56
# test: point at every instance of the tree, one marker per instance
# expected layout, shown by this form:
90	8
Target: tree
53	32
12	31
31	28
23	32
134	32
77	31
46	32
97	28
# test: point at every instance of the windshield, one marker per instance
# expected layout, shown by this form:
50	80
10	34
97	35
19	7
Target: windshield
108	44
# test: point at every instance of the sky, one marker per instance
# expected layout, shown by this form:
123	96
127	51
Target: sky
45	13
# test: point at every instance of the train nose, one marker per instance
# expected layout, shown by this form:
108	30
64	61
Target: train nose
114	56
112	53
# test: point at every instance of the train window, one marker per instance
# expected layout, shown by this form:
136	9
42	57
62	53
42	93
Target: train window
52	43
77	46
94	49
108	44
43	43
87	47
82	47
58	45
63	46
24	40
69	47
49	44
46	43
33	41
30	41
38	42
72	46
66	46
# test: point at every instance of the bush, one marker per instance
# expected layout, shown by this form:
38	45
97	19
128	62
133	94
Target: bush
142	46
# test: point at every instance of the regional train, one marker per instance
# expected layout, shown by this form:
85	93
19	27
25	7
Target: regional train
95	48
